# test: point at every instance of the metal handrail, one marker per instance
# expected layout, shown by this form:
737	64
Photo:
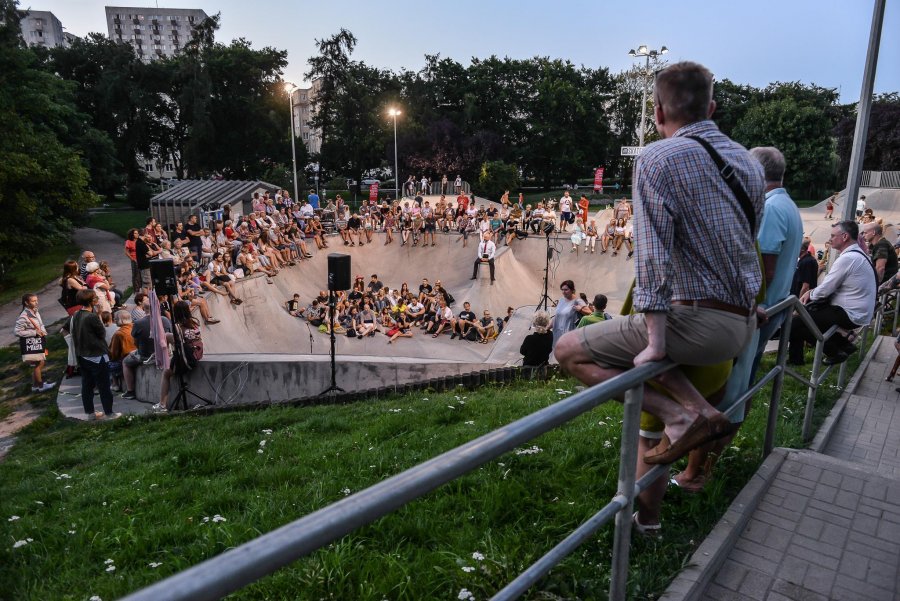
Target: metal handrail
238	567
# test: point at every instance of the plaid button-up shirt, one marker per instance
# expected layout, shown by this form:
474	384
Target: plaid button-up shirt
692	239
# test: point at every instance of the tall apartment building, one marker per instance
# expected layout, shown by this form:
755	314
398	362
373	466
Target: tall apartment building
42	28
303	113
153	32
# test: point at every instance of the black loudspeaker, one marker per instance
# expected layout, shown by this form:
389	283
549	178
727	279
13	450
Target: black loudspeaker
162	276
338	271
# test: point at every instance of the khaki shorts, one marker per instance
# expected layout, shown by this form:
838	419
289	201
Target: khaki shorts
694	337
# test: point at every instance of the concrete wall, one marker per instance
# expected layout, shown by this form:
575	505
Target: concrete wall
283	379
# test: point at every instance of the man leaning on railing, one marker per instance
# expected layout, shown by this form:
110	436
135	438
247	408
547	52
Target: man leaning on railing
698	203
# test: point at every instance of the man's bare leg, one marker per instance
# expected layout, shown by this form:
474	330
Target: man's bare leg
651	498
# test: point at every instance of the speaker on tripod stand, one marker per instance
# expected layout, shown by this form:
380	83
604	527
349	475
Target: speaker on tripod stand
338	279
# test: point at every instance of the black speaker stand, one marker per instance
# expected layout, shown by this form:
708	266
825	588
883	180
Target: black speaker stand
545	297
180	401
334	389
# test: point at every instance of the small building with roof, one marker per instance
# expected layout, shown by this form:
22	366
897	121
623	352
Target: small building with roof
206	198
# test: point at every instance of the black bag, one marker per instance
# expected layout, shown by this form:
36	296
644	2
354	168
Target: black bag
351	333
33	348
471	335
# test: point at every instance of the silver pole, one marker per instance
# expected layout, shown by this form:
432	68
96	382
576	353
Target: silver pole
644	104
863	111
628	450
396	165
778	383
293	144
813	389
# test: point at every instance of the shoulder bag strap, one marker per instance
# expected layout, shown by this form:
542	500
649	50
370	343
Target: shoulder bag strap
727	173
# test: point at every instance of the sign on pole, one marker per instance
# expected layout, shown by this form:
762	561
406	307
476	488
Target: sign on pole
373	191
598	179
631	151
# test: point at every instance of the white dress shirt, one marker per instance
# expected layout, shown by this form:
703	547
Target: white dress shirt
487	247
850	284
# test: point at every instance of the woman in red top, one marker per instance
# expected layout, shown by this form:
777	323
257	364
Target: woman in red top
131	253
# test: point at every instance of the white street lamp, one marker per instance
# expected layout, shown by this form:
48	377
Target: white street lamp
290	89
648	54
393	112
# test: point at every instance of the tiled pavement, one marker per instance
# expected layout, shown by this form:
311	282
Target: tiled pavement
825	525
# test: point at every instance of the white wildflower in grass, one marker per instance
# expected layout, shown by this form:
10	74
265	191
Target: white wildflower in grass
259	450
345	491
12	518
468	569
532	450
111	569
462	402
217	518
95	598
465	595
71	532
67	486
607	444
204	520
267	431
154	485
39	502
22	543
104	503
154	564
450	407
262	443
63	477
470	423
477	556
109	562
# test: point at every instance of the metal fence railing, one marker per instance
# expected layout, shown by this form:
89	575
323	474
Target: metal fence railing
247	563
880	179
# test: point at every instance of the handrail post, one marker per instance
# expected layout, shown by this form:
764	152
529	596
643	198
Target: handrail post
778	383
863	339
894	311
813	389
627	466
842	375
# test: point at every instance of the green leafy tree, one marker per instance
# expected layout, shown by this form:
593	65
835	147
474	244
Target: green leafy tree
803	133
110	88
495	178
882	141
350	108
43	182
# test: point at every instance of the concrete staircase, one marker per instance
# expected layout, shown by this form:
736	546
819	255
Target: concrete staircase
816	524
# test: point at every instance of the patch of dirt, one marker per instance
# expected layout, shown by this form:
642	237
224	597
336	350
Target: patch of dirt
22	415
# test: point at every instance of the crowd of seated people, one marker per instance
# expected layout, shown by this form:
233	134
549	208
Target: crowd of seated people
369	308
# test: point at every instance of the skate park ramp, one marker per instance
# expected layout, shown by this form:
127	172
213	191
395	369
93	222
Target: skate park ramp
884	202
262	327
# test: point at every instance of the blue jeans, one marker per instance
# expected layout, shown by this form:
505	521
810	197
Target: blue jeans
95	374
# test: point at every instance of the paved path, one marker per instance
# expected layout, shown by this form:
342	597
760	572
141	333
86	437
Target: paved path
106	246
825	525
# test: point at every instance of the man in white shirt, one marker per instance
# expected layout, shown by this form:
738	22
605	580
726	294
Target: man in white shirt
846	297
860	206
486	252
306	210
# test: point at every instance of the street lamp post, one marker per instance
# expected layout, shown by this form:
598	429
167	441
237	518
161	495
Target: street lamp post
643	51
394	113
290	88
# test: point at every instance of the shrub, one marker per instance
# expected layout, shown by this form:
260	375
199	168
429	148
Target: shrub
495	178
138	195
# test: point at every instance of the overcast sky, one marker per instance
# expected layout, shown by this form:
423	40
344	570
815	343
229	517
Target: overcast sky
754	42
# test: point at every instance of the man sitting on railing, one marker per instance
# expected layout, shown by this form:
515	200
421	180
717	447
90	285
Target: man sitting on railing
697	271
846	298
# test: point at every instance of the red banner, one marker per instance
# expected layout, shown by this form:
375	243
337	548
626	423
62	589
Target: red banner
598	180
373	191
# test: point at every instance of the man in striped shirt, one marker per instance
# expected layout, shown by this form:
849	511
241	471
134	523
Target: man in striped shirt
696	268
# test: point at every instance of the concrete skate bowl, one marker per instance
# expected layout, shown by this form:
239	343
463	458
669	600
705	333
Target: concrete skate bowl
884	202
260	353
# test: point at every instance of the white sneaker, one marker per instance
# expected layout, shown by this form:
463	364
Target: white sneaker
44	387
158	408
